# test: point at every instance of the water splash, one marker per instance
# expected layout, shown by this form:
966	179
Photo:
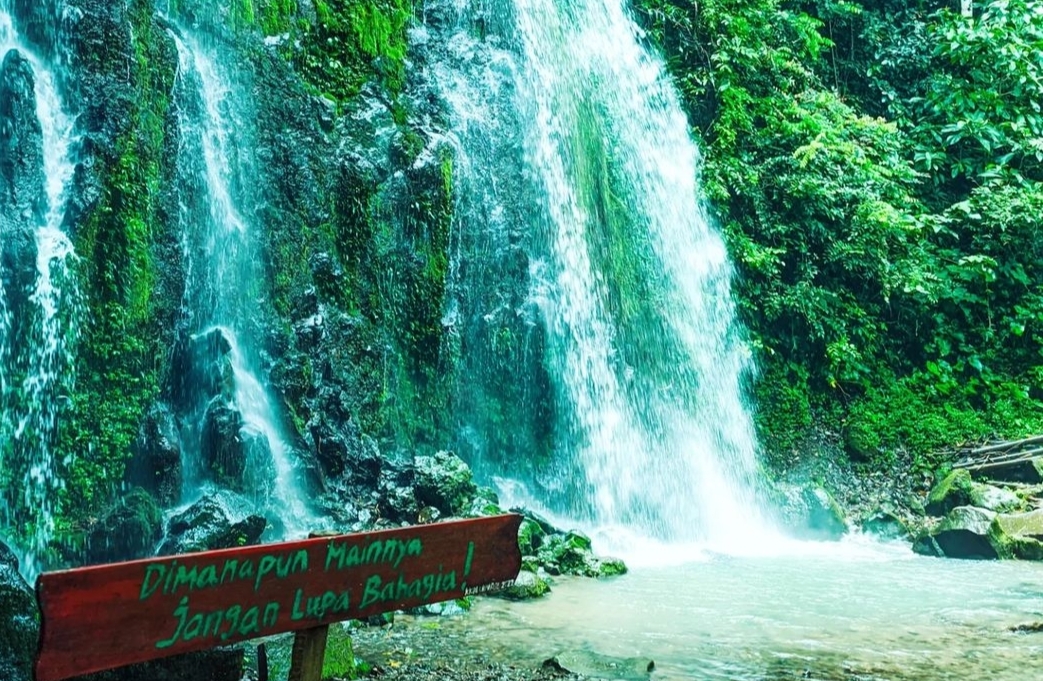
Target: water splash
224	279
631	280
46	354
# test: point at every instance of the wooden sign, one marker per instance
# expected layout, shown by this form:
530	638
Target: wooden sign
109	616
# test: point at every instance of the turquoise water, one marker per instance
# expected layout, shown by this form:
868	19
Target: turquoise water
852	611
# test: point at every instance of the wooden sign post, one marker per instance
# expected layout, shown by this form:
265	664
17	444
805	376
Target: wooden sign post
109	616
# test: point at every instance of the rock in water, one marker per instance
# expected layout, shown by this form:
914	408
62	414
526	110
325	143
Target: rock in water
19	626
1020	533
527	586
965	534
595	665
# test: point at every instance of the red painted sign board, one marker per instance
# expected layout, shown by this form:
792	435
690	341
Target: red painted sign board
110	616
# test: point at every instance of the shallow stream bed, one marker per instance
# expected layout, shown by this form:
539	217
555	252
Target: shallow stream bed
852	611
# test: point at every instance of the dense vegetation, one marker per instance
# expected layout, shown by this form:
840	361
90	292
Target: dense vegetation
876	166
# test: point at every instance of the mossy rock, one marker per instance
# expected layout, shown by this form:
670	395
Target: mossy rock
530	537
1020	535
207	525
128	530
526	587
445	482
612	567
995	498
886	525
954	490
825	518
967	532
571	554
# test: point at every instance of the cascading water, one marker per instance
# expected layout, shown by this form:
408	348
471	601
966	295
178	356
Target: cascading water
223	294
632	283
37	362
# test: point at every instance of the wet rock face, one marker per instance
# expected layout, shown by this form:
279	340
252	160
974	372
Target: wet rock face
208	525
22	196
811	511
128	530
222	449
965	534
445	482
156	462
20	627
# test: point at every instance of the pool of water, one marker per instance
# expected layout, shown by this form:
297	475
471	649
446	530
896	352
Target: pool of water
853	611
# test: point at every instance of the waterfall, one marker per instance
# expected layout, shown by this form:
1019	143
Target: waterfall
37	362
630	280
224	299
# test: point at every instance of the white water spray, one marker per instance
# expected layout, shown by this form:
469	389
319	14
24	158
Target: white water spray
224	276
47	353
652	433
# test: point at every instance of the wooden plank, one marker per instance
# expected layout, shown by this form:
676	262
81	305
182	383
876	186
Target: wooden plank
109	616
309	652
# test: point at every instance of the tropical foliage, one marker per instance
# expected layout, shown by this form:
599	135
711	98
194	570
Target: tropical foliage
876	167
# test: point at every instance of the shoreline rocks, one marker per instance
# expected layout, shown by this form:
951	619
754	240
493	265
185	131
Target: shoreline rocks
20	623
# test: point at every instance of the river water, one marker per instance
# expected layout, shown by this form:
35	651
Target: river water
854	611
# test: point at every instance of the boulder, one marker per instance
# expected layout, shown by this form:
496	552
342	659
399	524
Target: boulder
222	445
156	462
571	554
995	498
343	451
445	482
959	489
953	490
126	531
530	537
597	666
1020	533
825	519
203	370
925	545
209	525
485	503
528	586
885	524
811	512
19	623
396	499
965	533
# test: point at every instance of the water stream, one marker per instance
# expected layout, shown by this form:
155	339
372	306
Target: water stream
852	612
224	293
630	280
38	367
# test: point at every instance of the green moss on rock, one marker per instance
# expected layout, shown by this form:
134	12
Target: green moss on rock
954	490
528	586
